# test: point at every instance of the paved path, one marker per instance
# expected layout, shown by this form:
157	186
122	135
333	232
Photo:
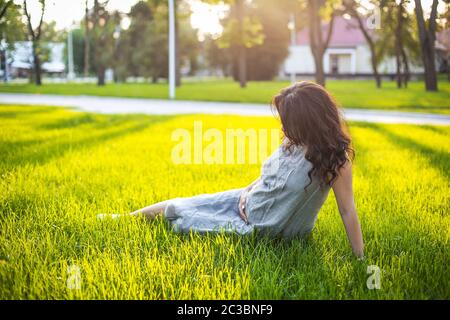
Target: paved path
112	105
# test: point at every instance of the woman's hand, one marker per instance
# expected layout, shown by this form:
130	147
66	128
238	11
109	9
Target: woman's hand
242	201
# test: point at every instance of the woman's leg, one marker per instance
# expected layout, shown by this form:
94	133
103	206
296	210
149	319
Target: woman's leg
151	211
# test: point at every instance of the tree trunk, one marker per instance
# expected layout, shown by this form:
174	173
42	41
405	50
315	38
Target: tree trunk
97	46
101	76
37	65
373	57
4	9
398	68
427	37
315	35
3	59
242	65
398	45
317	44
375	70
430	70
407	74
86	41
320	73
177	48
447	67
35	37
350	7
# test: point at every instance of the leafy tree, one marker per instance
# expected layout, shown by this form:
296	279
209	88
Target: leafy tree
132	52
143	48
187	43
12	27
86	41
217	58
353	8
4	5
269	41
264	60
398	38
104	25
51	34
241	32
34	35
317	10
427	36
155	46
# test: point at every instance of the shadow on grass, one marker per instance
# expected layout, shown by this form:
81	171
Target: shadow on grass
422	109
438	159
438	130
72	122
101	130
91	120
21	110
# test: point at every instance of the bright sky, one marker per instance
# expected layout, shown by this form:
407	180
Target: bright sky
204	17
65	12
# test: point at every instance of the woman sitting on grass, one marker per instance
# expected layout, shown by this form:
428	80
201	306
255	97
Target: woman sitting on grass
314	156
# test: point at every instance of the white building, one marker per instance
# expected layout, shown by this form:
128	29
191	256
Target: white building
20	60
348	53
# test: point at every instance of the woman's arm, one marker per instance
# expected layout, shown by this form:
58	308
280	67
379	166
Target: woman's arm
343	191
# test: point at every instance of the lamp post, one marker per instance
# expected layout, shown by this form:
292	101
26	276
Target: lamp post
172	49
291	27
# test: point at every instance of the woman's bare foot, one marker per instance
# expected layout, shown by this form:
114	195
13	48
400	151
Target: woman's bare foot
113	216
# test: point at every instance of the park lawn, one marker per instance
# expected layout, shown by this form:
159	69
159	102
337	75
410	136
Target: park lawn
349	93
60	168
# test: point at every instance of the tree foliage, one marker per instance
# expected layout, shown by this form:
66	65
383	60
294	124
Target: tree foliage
398	37
142	49
266	41
12	27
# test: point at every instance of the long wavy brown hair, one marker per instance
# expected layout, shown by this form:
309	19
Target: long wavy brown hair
311	118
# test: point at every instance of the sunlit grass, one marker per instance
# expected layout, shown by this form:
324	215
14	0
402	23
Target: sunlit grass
60	168
351	93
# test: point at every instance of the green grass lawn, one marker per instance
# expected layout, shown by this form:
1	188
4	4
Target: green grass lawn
60	168
350	93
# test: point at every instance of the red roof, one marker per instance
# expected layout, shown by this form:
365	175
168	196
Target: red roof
346	33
